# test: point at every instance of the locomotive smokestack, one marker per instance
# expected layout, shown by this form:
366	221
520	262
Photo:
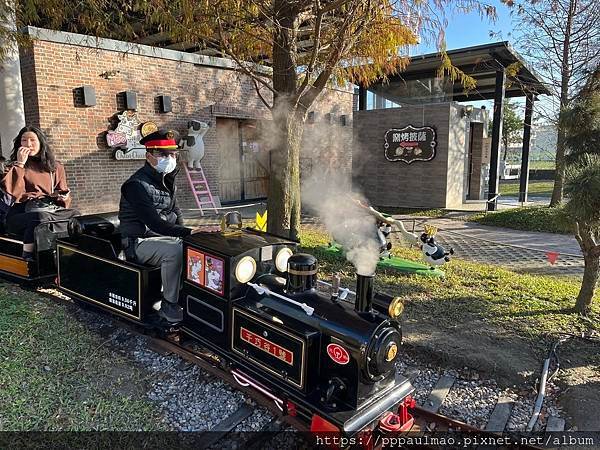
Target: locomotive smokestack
364	293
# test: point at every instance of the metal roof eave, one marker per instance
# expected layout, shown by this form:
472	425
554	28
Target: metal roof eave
481	62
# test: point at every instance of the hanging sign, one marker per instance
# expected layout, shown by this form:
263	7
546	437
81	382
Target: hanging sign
125	139
410	144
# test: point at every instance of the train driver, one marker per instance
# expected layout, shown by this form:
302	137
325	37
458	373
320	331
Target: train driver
151	223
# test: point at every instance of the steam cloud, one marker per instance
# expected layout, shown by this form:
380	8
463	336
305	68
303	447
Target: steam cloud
326	191
328	196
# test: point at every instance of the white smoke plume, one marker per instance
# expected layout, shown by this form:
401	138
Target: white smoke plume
331	199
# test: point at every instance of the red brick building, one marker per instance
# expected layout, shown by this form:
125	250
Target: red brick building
202	88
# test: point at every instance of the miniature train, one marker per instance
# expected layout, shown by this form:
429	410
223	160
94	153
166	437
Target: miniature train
251	300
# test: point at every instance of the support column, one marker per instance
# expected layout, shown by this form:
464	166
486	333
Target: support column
379	102
12	111
362	98
524	178
496	138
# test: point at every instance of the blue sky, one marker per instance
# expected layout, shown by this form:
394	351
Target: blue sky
465	30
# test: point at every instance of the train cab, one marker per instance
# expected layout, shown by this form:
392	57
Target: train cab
217	268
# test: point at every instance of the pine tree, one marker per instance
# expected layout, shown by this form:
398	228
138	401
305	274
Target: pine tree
582	126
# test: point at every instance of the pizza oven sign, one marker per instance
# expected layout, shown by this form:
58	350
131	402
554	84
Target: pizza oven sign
410	144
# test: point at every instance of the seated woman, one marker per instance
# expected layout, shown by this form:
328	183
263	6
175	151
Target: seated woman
38	185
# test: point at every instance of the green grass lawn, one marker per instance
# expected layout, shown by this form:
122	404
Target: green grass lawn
537	188
542	164
536	218
528	306
57	375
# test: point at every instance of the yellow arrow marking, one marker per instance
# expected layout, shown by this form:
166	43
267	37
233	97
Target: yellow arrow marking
261	221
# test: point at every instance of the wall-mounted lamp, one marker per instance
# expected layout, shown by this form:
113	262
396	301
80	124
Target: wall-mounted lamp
110	74
164	103
129	99
85	96
467	111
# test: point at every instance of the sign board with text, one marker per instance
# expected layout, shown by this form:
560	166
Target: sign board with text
410	144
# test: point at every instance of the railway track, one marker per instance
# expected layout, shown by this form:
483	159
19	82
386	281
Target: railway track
427	417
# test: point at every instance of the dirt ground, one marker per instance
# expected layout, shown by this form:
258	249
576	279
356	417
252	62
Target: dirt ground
515	362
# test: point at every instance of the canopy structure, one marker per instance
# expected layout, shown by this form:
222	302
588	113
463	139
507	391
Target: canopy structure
499	71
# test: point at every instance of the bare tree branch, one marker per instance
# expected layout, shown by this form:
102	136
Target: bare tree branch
260	95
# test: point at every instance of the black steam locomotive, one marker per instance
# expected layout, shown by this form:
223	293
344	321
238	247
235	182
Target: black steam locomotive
252	301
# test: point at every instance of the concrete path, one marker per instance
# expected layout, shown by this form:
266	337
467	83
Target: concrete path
534	240
522	251
248	211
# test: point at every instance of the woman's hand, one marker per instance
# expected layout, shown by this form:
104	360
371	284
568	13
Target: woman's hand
62	195
23	154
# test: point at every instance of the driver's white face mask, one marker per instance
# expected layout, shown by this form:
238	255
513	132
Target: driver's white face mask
165	164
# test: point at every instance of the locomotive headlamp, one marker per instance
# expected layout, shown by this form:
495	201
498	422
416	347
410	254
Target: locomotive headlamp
396	307
281	259
245	269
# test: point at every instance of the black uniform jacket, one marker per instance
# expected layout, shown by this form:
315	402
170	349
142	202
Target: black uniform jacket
148	205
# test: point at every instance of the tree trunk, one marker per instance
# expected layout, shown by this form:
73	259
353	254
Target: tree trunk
284	185
583	304
559	175
587	242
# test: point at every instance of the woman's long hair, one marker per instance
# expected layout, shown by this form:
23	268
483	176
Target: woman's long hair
46	155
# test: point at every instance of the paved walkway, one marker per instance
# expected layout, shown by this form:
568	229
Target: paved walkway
508	202
248	211
522	251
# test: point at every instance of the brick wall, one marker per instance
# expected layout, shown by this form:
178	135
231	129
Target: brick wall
422	184
53	70
327	142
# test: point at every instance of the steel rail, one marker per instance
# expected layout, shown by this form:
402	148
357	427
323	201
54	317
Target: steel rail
212	363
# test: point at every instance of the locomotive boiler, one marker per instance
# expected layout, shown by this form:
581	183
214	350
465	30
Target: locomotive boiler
329	360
